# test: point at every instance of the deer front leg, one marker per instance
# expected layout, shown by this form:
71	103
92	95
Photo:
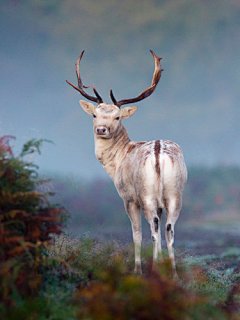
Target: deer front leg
133	212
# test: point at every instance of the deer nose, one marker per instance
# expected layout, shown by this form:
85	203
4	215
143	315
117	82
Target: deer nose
101	131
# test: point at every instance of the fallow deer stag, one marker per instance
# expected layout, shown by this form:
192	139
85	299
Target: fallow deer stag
148	175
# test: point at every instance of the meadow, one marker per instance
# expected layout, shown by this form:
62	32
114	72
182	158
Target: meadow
86	279
49	272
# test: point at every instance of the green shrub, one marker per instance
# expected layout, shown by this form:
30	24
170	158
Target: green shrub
119	295
26	222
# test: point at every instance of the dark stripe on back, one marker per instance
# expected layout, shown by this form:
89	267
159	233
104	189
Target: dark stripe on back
157	148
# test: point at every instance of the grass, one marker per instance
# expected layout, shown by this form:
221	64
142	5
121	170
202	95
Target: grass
87	279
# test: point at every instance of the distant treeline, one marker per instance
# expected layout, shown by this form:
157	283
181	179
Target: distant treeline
96	203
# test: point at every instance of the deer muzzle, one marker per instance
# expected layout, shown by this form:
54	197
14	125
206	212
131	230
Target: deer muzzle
102	131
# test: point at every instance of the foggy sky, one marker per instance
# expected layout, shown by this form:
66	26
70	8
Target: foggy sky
196	103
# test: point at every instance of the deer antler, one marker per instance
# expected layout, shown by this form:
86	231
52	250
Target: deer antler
147	92
98	98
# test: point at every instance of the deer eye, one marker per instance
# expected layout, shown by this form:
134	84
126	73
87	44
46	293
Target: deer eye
117	118
94	116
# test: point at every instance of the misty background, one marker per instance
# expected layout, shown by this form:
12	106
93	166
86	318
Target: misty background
196	103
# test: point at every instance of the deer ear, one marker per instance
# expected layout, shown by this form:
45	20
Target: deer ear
87	107
128	112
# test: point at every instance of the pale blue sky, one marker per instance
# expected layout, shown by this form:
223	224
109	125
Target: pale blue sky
196	103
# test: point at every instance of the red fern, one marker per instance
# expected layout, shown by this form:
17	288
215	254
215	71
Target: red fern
27	221
5	147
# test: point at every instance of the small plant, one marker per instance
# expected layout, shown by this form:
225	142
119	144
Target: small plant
80	260
120	295
26	222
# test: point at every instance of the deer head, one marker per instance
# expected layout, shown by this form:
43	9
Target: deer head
107	117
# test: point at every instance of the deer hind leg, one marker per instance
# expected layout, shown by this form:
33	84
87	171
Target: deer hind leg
173	207
153	216
134	214
159	213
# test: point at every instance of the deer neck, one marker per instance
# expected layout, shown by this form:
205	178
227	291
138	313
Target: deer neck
110	151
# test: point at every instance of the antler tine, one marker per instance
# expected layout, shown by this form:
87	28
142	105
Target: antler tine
147	92
97	94
98	98
113	98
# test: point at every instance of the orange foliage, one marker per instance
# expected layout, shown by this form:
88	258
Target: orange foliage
119	296
26	222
